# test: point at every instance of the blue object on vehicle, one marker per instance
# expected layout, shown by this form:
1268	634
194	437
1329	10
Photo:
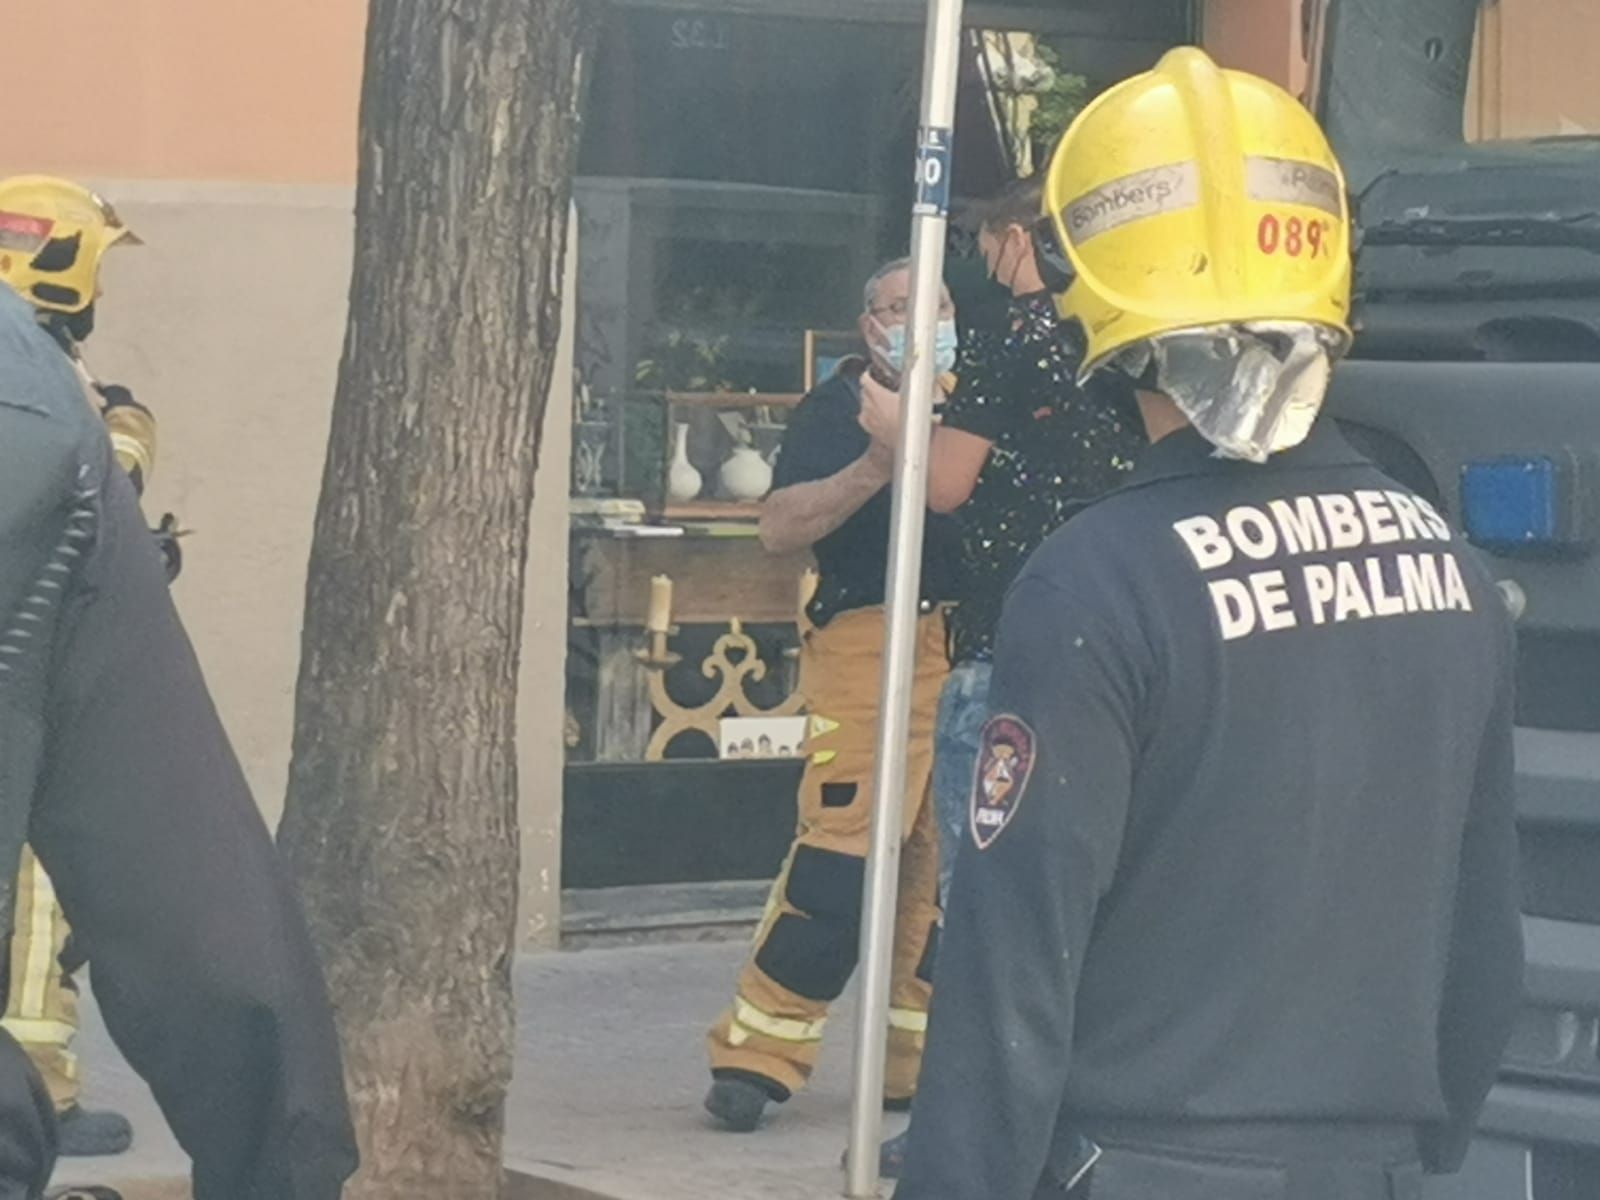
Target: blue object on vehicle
1513	502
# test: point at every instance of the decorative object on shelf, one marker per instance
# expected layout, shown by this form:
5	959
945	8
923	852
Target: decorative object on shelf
589	458
721	424
734	659
609	511
745	474
825	349
683	481
592	439
762	737
659	618
809	579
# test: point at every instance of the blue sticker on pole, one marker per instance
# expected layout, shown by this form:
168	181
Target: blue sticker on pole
933	172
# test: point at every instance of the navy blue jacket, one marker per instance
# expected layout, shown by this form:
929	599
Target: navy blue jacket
1243	840
115	766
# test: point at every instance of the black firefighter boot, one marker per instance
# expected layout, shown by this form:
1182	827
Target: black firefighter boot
85	1134
739	1099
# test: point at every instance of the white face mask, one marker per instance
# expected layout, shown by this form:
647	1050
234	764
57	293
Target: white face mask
1252	389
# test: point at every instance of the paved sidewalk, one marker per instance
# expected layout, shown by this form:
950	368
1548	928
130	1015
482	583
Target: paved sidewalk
610	1074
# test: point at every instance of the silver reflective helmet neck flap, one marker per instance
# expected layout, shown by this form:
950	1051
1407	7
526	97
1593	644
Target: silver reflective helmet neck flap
1250	389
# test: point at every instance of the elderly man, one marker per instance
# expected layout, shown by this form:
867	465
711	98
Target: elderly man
832	493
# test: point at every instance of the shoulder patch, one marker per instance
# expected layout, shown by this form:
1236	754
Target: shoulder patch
1006	754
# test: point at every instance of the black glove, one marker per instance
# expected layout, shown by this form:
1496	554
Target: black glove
116	396
166	535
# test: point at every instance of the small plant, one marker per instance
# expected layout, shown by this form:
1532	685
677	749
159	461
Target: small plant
684	362
1058	104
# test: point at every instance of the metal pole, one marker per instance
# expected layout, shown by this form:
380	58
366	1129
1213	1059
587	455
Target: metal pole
941	58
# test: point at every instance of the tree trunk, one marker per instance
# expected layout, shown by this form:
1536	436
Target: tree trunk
400	823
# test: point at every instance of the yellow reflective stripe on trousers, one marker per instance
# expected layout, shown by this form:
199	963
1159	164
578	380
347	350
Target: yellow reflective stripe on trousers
784	1029
41	964
908	1019
39	1032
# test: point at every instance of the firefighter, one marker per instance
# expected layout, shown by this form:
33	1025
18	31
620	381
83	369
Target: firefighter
1238	916
832	494
53	235
115	769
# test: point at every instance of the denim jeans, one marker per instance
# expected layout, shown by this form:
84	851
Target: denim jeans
963	709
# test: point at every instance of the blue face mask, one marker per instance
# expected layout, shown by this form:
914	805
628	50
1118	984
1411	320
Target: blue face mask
945	343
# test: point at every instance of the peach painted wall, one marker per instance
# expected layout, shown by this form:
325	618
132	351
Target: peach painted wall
1261	36
200	90
183	89
1534	70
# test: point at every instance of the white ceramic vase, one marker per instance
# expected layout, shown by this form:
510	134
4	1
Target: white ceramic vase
745	474
683	481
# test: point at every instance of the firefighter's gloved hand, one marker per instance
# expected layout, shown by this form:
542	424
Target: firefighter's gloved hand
166	535
132	429
116	396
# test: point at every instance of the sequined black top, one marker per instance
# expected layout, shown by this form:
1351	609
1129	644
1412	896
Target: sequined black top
1056	448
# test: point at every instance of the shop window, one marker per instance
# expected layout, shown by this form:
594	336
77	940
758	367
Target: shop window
740	177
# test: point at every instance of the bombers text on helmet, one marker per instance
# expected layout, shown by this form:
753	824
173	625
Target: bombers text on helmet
1191	196
53	234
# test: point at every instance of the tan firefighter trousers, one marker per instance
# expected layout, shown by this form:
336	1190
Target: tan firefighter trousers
808	942
42	1003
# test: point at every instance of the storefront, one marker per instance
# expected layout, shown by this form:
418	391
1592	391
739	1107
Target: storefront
742	174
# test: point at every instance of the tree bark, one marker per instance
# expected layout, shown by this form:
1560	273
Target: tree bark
400	821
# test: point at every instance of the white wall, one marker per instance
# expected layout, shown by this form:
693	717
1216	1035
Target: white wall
229	323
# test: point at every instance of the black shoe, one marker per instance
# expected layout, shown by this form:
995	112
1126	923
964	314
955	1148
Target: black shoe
738	1104
892	1156
86	1134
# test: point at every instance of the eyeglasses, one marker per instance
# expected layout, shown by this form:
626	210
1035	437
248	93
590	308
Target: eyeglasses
900	309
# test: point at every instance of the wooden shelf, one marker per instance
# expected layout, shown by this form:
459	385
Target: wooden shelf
714	578
715	617
734	399
713	510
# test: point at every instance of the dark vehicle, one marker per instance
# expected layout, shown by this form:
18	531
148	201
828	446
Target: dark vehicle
1478	383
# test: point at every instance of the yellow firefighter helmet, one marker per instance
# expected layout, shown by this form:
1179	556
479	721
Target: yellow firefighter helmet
53	234
1191	196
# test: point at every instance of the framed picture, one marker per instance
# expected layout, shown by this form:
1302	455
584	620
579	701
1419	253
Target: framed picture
762	737
825	349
